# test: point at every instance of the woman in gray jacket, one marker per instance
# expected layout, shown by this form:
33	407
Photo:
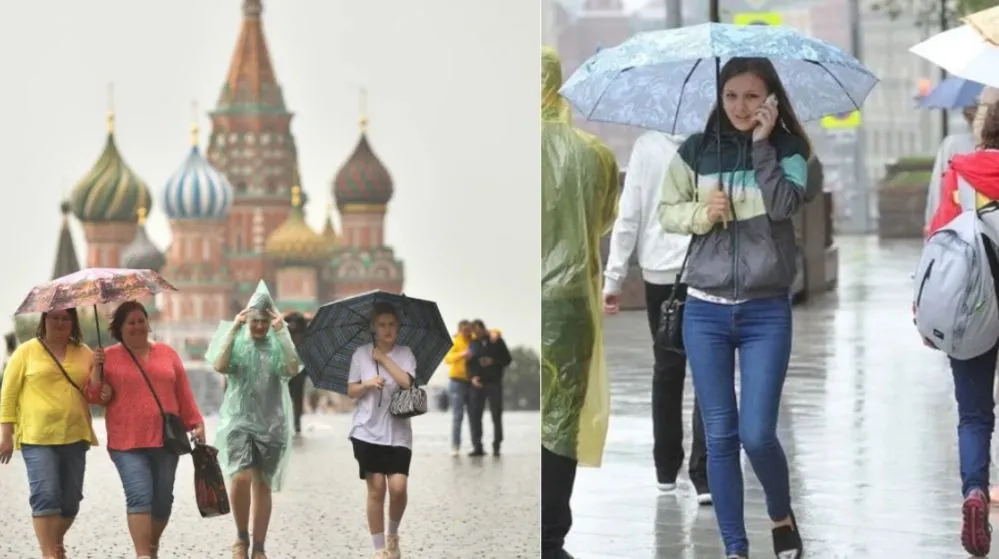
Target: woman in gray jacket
741	265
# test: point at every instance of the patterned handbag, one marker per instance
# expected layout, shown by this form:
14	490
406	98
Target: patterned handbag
410	402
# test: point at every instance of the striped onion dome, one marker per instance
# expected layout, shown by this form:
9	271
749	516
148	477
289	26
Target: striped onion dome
141	253
197	190
362	179
110	191
294	240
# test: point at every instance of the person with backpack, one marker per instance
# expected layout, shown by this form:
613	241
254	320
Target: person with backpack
962	246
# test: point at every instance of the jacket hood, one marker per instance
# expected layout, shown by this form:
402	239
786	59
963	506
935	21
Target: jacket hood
553	105
981	170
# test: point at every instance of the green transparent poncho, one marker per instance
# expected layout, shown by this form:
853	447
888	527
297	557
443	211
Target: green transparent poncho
255	420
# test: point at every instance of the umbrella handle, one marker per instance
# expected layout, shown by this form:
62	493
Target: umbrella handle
97	327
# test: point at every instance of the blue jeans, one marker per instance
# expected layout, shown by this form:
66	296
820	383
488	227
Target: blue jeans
760	330
973	384
458	394
147	475
55	477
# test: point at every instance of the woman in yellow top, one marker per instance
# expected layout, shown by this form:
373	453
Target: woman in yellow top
44	414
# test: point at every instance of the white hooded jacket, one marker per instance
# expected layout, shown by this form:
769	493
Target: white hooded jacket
660	254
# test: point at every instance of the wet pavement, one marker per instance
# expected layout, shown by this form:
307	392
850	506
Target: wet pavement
458	507
868	422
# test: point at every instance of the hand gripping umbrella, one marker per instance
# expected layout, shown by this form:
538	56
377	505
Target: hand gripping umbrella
340	327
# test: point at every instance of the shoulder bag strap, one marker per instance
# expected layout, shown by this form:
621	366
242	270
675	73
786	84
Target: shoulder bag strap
145	378
58	364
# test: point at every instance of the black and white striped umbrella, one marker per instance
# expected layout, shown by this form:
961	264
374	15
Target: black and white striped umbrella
340	327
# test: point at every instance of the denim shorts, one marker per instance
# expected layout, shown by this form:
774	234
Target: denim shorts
55	477
147	476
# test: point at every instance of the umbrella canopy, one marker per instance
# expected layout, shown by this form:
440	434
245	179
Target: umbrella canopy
340	327
962	51
666	79
986	23
952	93
94	286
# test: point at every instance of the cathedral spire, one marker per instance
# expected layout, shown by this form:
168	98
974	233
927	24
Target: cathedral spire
251	85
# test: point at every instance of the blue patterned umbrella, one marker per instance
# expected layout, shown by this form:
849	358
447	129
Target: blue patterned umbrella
340	327
666	80
952	93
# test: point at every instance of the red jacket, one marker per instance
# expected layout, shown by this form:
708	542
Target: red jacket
980	169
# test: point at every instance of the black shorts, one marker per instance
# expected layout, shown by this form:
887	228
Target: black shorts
381	459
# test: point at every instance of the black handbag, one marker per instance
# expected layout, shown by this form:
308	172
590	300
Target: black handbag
669	335
175	439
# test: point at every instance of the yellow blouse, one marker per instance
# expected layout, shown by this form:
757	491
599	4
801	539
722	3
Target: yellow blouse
43	406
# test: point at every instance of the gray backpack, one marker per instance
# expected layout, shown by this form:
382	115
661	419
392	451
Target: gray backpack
954	306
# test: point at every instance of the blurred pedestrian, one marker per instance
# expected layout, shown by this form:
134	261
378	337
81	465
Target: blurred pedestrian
487	359
958	143
297	324
579	191
660	256
458	386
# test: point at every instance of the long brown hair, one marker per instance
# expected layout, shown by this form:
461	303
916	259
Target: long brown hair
75	333
763	69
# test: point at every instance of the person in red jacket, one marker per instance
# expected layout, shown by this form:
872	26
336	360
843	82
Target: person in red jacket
979	169
974	379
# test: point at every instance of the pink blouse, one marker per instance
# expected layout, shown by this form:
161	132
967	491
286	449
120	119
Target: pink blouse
133	419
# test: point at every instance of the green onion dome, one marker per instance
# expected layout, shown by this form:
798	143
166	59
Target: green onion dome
110	191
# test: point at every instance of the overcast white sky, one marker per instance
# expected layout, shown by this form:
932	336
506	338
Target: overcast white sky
452	99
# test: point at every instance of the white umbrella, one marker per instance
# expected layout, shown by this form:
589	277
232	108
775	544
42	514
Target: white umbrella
963	52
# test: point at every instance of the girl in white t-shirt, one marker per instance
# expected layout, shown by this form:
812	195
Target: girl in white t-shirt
382	442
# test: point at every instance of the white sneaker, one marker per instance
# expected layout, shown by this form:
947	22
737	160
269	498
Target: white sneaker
392	546
704	499
666	487
455	451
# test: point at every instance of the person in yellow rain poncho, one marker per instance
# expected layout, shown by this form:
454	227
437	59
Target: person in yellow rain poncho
579	192
256	354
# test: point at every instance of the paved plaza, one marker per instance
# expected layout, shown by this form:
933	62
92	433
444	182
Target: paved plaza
458	507
868	423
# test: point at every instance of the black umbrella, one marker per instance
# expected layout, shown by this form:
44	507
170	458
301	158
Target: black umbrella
340	327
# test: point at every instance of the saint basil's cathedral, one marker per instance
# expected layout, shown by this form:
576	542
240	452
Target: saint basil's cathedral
236	213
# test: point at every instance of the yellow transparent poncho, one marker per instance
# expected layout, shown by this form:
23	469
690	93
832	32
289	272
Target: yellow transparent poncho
255	421
579	185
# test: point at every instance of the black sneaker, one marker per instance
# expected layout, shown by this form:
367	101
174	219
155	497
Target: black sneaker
496	450
787	541
477	452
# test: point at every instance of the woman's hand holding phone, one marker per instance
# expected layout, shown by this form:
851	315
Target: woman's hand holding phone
766	116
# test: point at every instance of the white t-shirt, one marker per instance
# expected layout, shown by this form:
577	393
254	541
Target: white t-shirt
372	421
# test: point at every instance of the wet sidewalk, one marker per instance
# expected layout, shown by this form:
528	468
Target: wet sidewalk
458	507
868	423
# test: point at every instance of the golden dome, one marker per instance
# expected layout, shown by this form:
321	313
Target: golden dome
294	240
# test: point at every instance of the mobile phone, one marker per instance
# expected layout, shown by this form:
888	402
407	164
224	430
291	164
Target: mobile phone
771	100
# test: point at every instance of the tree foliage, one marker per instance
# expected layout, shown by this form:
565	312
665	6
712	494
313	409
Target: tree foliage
522	380
927	12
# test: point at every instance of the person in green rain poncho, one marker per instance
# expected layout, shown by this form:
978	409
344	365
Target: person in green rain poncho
579	192
256	354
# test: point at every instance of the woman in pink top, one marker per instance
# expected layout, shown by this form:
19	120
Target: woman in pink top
135	425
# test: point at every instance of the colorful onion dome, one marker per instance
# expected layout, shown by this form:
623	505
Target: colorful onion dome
294	240
362	179
197	190
110	191
141	253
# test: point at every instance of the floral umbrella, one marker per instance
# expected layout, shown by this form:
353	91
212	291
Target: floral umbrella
94	286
